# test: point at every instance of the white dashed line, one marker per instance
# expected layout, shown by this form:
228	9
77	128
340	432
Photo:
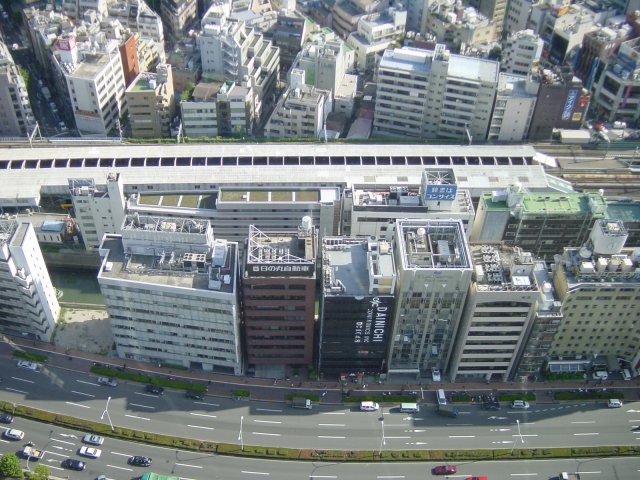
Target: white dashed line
268	410
138	418
77	405
82	393
187	465
120	468
142	406
267	421
268	434
202	415
200	426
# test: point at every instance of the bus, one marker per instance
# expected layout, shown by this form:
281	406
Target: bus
157	476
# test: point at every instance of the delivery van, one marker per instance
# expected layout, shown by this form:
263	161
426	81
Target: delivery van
442	398
409	408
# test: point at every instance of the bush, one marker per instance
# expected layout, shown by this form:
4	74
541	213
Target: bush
591	395
10	466
241	393
460	397
509	397
380	398
139	377
33	357
552	377
311	396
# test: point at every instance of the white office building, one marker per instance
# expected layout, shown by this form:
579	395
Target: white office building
521	51
171	293
514	106
28	303
16	117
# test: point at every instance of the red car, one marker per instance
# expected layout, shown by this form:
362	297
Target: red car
444	470
477	478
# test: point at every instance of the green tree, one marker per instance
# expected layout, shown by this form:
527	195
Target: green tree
10	466
186	93
40	473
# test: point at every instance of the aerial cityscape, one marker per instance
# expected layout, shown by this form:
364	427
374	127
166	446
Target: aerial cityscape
330	239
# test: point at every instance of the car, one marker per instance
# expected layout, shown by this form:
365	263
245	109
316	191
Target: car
600	375
601	128
477	478
13	434
90	452
369	406
73	464
491	405
194	395
155	389
139	461
435	374
110	382
28	365
614	403
6	418
519	404
93	439
444	470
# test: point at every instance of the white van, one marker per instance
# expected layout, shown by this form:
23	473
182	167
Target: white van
409	407
626	374
442	398
369	406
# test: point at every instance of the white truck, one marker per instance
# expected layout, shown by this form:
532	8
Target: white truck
32	453
568	476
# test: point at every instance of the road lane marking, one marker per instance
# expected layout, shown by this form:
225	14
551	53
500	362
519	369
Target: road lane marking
322	476
200	426
627	420
461	436
56	453
524	435
120	468
142	406
523	474
82	393
268	434
327	436
146	394
331	425
267	421
460	424
395	437
88	383
205	403
248	472
121	454
390	476
23	380
55	468
16	390
591	421
77	405
333	413
594	433
581	473
268	410
62	441
139	418
202	415
188	465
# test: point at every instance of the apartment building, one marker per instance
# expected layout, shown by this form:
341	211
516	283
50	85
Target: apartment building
171	291
28	303
43	30
300	112
615	94
521	51
99	208
290	33
432	93
151	103
16	116
137	17
541	223
456	26
95	83
494	10
434	267
178	16
498	314
279	294
599	287
345	14
75	9
514	106
517	15
372	210
356	306
374	34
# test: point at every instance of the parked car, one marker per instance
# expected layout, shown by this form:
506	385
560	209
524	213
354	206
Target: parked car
614	403
444	470
521	404
369	406
28	365
110	382
140	461
435	374
90	452
93	439
194	395
13	434
6	418
73	464
155	389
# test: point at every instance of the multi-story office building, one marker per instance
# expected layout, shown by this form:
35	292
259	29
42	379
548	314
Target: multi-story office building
374	34
372	210
300	112
16	117
616	94
627	211
346	13
458	27
599	287
541	223
521	51
28	302
137	17
43	30
515	102
432	93
99	208
279	294
151	103
77	8
171	292
498	314
517	15
94	81
434	269
495	10
178	15
290	33
356	306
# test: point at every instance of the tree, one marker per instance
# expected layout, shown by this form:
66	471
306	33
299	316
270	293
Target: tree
10	466
40	473
187	91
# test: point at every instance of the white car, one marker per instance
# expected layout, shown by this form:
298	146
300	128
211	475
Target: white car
614	403
93	439
28	365
600	375
14	434
110	382
90	452
369	406
519	404
435	374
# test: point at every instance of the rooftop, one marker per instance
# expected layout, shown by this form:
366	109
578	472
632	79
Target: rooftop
550	202
502	268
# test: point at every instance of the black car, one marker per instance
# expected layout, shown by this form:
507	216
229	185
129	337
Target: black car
491	405
6	418
72	464
194	395
155	389
140	461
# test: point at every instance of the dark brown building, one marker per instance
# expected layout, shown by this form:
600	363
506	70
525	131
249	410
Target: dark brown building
129	56
279	296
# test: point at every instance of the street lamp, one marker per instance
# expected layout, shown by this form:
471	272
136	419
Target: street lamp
240	434
106	412
382	440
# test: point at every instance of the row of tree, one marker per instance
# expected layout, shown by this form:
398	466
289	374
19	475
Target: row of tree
10	468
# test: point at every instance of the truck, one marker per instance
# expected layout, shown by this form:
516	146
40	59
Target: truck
568	476
574	137
447	411
157	476
32	453
299	402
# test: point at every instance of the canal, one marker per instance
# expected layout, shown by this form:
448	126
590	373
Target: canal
77	286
